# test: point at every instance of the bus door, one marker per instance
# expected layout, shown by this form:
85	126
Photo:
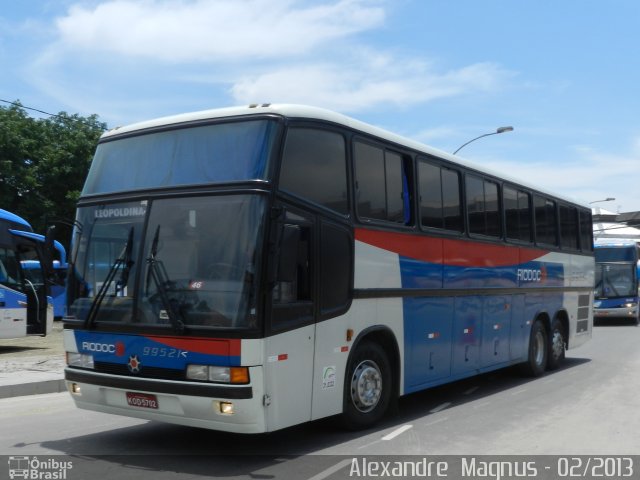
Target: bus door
39	311
289	344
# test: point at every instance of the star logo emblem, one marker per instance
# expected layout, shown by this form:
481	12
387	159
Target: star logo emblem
134	364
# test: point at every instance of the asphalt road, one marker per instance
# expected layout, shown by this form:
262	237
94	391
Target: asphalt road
588	407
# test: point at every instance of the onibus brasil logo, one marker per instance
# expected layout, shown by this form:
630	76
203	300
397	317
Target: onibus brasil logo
35	469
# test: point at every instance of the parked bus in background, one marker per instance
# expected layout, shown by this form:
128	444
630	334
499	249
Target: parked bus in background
25	308
617	272
57	282
248	269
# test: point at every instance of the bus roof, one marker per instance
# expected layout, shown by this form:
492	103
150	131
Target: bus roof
315	113
12	217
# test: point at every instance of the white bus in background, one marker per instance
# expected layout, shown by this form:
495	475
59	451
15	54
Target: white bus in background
25	307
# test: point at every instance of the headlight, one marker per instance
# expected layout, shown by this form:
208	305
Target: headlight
208	373
630	304
198	372
81	360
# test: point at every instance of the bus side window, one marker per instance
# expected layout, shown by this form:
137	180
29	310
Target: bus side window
9	274
293	283
314	167
336	269
383	184
292	297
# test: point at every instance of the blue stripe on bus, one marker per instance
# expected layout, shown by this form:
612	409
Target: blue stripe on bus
419	274
118	348
10	298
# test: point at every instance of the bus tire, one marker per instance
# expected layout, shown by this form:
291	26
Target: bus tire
367	386
557	342
538	351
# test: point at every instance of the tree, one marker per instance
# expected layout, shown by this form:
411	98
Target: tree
43	164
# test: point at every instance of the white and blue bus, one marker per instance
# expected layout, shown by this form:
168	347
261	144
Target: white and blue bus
248	269
616	281
25	308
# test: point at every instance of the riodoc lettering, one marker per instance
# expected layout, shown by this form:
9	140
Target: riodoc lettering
99	347
120	212
530	275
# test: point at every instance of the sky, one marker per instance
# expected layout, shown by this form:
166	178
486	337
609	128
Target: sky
565	74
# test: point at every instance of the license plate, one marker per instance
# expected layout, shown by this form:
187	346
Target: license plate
142	400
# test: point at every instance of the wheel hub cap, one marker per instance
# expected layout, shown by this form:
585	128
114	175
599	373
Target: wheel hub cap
366	386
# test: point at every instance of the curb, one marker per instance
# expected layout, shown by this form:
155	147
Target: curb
33	388
38	387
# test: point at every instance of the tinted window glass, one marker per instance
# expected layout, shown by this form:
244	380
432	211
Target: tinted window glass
615	281
223	152
475	204
492	207
370	182
395	188
439	197
512	223
314	167
430	195
524	208
335	268
586	231
545	220
9	269
517	209
451	207
483	207
382	187
569	227
617	254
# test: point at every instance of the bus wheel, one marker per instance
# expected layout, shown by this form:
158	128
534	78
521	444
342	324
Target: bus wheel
538	351
556	346
367	388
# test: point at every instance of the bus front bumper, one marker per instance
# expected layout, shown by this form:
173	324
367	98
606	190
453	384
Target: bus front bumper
617	312
232	408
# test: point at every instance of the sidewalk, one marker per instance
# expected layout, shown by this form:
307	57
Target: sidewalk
32	365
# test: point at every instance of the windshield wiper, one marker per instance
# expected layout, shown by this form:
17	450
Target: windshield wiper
125	261
159	275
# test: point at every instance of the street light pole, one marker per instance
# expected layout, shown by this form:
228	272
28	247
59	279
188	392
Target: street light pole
608	199
499	130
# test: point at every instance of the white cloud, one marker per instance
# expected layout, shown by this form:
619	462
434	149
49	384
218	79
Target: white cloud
239	52
209	30
365	82
590	175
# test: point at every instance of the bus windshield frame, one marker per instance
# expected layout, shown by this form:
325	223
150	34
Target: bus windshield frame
189	261
211	153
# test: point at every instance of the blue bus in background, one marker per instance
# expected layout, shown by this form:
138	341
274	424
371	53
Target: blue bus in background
25	307
616	286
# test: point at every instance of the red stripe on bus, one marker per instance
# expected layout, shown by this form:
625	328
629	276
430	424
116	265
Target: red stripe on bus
448	251
224	347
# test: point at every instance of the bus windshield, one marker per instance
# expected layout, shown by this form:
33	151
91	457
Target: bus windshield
216	153
615	280
178	262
